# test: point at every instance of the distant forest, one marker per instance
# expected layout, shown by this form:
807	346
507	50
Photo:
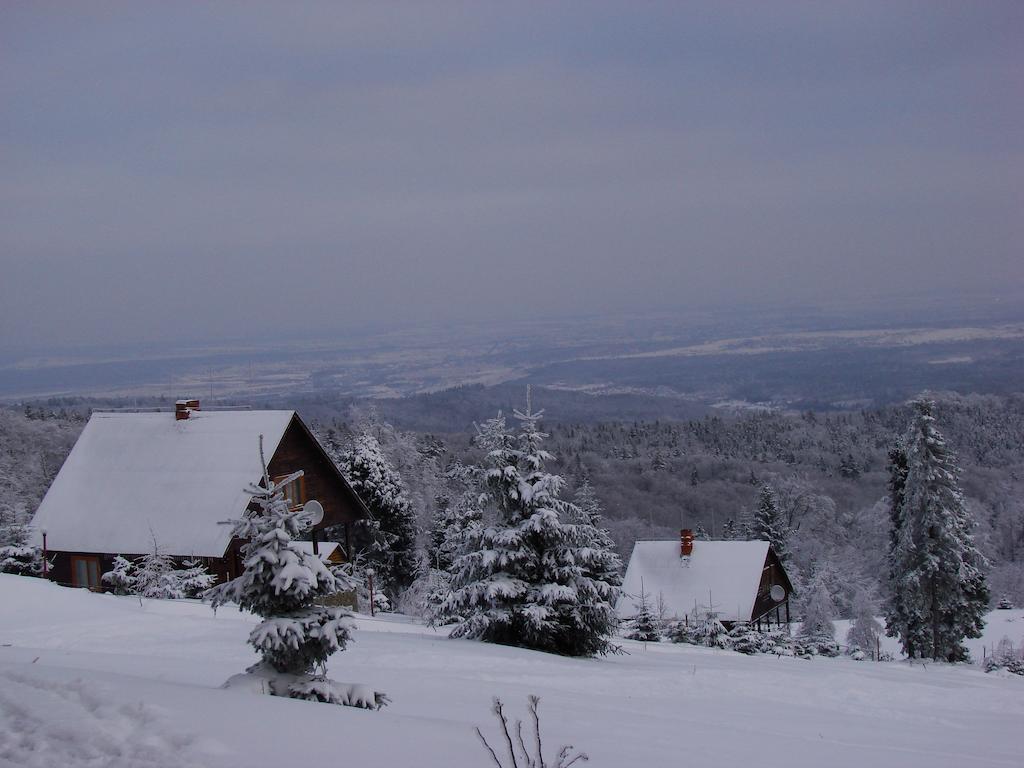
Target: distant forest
655	475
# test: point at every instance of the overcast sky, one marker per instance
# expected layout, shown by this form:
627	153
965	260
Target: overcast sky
223	169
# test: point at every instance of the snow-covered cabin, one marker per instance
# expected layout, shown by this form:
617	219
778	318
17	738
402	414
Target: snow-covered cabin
179	479
330	552
737	580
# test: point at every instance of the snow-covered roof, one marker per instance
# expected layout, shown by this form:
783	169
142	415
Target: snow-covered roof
326	548
725	573
133	476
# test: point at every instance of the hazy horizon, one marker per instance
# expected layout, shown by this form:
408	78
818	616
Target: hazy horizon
236	170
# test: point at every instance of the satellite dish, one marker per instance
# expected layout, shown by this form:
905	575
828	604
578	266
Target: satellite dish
777	593
313	512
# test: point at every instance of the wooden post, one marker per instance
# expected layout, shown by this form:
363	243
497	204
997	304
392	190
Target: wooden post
369	576
46	568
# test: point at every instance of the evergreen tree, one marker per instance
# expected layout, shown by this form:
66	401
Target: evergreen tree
531	579
729	530
745	639
768	524
194	578
392	528
281	583
17	556
644	625
939	594
449	537
154	576
865	629
817	631
896	484
589	505
120	580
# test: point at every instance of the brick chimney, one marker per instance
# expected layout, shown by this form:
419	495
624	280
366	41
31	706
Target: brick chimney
685	542
183	408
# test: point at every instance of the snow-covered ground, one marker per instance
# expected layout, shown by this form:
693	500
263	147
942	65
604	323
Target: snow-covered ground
98	680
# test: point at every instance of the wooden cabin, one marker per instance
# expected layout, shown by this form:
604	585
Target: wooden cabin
734	580
179	479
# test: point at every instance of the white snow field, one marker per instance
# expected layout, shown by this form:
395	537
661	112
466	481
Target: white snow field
98	680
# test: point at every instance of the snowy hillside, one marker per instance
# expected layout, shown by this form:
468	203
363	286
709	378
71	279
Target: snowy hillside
92	679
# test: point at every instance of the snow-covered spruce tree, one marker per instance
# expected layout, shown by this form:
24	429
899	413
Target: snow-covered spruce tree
745	639
392	528
450	535
155	576
17	556
194	578
939	594
768	524
524	580
865	629
644	625
603	563
708	630
817	631
897	612
729	530
281	583
120	580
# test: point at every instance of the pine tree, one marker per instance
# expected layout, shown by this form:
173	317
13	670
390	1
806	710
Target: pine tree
17	556
533	579
154	576
449	538
768	524
745	639
194	578
392	527
729	530
865	629
817	631
281	583
643	625
939	594
120	580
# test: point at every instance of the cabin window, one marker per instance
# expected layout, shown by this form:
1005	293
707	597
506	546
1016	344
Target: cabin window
294	492
85	572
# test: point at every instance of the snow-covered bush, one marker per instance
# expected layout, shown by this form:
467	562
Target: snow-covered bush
1005	603
281	583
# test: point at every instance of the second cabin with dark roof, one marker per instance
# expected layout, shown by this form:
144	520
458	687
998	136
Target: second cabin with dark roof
179	479
734	580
